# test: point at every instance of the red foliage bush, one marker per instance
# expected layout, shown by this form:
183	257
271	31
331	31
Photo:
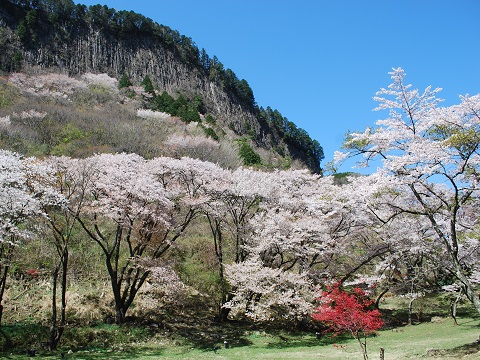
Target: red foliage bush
344	312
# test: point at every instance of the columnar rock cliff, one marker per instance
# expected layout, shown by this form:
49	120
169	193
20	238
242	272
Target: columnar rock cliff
78	40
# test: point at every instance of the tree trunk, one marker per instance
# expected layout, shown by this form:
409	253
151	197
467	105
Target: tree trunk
465	282
131	281
119	314
53	320
453	306
222	312
57	327
452	250
363	345
469	291
379	298
215	226
3	280
410	311
119	306
5	255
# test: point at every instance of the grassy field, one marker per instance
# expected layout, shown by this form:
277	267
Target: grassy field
441	339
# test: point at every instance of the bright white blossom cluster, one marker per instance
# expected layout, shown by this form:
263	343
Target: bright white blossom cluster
125	190
266	295
165	288
24	191
150	114
102	80
430	175
57	85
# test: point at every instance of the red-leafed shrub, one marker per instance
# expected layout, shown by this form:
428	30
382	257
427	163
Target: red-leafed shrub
33	273
344	312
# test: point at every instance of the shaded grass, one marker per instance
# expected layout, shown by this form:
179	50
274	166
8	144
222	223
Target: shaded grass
192	333
22	336
433	340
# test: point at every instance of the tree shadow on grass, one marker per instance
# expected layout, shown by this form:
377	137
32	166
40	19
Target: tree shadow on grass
459	351
114	355
292	340
468	348
209	335
22	336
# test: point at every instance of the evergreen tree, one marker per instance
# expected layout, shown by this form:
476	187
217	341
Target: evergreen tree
22	32
248	155
147	85
124	82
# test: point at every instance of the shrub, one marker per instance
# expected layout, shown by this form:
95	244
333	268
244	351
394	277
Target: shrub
147	85
248	155
209	132
343	312
124	82
209	119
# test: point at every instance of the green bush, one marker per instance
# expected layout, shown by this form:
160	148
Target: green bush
124	82
249	156
209	119
209	132
147	85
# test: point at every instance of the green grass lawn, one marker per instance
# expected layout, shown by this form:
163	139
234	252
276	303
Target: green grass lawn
433	340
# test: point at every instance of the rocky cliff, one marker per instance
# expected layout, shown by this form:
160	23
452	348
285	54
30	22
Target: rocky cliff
73	39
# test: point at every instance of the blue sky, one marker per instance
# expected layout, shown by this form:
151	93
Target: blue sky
320	62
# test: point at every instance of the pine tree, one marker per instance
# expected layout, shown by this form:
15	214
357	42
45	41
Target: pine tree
124	82
147	85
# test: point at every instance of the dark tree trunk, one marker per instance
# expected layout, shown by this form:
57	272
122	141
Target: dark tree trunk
379	298
2	289
215	226
53	320
5	255
119	314
58	326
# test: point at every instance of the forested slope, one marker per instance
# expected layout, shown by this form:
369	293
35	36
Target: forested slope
60	36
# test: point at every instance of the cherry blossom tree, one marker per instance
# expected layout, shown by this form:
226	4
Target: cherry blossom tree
199	147
300	234
57	85
319	227
71	179
349	240
234	202
24	192
135	210
126	213
217	215
392	256
164	287
430	166
351	313
268	295
412	267
247	191
304	227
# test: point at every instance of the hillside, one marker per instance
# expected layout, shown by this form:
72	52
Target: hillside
41	37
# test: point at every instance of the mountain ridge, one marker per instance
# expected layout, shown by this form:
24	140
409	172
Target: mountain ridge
73	39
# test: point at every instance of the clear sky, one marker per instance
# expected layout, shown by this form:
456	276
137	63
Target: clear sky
320	62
